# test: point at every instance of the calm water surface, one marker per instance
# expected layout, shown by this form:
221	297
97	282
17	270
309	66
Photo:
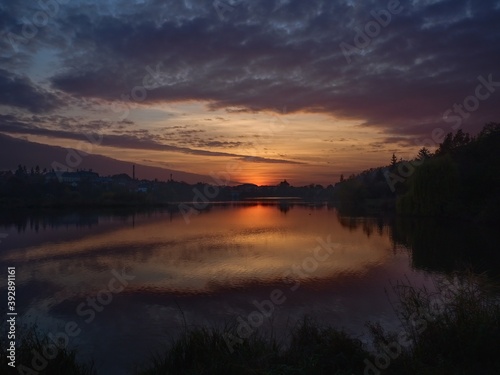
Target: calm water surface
214	268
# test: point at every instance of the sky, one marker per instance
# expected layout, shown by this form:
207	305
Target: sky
259	91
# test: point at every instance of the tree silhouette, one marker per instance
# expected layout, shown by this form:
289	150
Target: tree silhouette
423	154
453	142
394	161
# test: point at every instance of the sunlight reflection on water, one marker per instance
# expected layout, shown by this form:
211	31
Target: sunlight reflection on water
204	272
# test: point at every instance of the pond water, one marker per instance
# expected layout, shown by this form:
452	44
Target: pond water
132	281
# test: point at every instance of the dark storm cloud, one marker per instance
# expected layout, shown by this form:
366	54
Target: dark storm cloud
20	92
266	54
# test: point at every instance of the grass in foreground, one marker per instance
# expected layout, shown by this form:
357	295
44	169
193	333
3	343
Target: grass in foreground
312	350
453	330
32	354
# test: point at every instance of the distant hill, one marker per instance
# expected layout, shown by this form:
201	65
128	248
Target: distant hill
14	151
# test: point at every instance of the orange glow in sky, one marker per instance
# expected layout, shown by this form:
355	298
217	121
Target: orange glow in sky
262	148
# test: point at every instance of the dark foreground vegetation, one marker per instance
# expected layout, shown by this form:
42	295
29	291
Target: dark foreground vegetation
31	356
461	179
454	329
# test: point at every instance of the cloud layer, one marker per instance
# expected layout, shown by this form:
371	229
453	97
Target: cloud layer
251	56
